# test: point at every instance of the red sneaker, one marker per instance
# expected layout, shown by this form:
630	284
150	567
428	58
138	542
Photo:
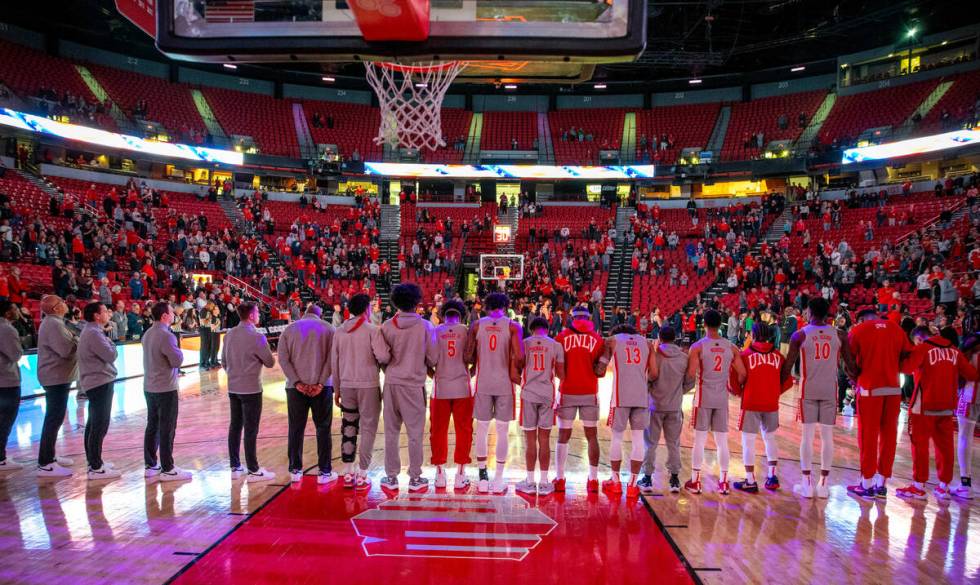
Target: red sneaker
633	492
592	486
723	488
612	486
693	486
910	491
559	483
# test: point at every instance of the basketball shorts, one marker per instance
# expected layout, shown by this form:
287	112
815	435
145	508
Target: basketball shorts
638	418
586	406
488	407
711	419
818	411
968	410
535	415
752	420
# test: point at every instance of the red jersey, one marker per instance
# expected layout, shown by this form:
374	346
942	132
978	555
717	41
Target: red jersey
762	388
877	347
582	349
938	367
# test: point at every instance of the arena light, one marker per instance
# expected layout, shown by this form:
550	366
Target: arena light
912	32
437	171
510	86
229	66
694	81
328	79
600	86
798	69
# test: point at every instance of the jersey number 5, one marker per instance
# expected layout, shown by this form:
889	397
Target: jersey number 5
451	348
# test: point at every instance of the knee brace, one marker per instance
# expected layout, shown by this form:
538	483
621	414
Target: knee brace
349	425
616	446
638	451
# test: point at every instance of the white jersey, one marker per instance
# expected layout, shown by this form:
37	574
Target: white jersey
717	355
819	367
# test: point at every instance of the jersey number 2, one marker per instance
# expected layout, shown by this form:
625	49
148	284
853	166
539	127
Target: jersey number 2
718	361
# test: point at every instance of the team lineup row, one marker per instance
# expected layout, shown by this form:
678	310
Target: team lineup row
474	370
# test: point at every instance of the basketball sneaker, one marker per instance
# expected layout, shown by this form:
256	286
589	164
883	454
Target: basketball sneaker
462	482
260	475
103	474
772	483
499	486
440	478
237	472
8	465
612	486
747	486
349	481
881	492
326	477
675	483
418	484
295	476
645	484
483	484
941	492
527	487
389	483
68	461
176	474
546	488
911	491
822	490
861	491
559	483
592	486
151	472
362	483
804	489
965	489
53	470
723	488
693	486
632	492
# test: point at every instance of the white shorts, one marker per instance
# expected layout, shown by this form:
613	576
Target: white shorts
535	415
752	420
586	406
818	411
637	417
489	407
711	419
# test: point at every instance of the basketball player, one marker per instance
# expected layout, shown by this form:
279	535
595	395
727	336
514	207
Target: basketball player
937	366
967	413
355	357
634	365
10	353
760	405
578	393
408	336
494	346
304	356
821	349
710	362
57	368
96	377
450	395
666	396
878	346
544	360
243	354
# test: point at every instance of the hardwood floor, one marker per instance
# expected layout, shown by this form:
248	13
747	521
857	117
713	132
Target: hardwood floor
133	531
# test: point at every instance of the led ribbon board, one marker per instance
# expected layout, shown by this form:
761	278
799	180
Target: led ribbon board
949	140
107	139
433	171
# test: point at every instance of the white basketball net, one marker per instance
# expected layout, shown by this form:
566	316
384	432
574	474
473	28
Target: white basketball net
410	98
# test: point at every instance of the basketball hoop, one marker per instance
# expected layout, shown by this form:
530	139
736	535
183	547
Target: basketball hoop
410	98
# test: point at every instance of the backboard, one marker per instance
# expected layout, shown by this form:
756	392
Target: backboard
501	267
502	40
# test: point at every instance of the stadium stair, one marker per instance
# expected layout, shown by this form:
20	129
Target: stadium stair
214	128
627	146
546	149
391	229
472	153
812	129
124	124
717	140
233	213
924	108
307	147
619	287
513	218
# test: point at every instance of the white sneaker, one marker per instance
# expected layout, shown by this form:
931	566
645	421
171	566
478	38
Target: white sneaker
8	465
499	486
441	478
53	470
176	474
103	474
261	475
295	476
151	472
65	461
822	491
325	478
237	472
962	491
804	490
545	488
527	487
462	482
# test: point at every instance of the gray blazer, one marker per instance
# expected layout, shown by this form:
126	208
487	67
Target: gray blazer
161	359
243	354
96	358
10	353
57	352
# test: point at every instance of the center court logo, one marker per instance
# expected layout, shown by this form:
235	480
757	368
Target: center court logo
453	526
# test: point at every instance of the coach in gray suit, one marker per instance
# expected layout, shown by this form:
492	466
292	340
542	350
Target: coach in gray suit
57	368
161	362
304	352
10	354
96	377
